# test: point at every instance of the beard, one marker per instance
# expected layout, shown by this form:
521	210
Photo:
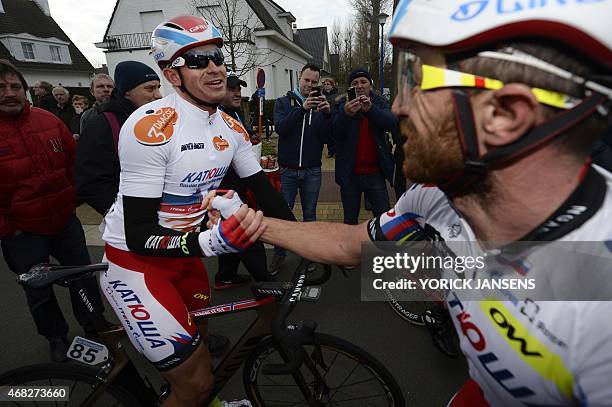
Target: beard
434	157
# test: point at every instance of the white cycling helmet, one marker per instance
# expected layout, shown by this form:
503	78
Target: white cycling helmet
173	37
455	26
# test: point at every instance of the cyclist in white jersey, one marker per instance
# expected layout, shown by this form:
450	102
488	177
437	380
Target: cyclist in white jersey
500	103
172	152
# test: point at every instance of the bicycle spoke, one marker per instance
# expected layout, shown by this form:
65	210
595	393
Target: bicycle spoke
344	381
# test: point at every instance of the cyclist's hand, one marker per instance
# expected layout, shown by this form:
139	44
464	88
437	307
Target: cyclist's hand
234	234
210	195
214	216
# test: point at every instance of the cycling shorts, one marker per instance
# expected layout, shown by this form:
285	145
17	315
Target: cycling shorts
152	297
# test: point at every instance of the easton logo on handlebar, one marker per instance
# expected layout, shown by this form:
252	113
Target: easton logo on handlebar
297	289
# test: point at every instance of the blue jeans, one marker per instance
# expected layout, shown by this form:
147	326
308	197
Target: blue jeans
308	183
373	186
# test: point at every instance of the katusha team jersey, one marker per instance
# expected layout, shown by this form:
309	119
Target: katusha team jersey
171	149
525	352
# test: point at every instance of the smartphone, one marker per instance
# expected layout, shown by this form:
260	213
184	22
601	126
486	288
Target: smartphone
315	91
352	94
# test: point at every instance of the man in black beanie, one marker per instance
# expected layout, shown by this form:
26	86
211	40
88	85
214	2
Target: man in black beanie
97	163
363	154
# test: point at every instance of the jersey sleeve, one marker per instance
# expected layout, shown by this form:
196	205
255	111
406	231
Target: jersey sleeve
406	220
143	158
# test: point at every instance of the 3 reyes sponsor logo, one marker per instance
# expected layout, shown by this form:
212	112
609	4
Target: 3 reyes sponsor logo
157	128
220	143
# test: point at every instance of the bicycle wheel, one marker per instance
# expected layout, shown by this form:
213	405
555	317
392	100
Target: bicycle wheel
346	375
79	380
410	311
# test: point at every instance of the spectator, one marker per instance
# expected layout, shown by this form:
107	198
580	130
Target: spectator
331	93
43	95
97	163
101	87
364	157
79	104
63	108
37	211
303	123
253	258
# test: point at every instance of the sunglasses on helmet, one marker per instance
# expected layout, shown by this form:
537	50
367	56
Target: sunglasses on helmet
199	59
413	73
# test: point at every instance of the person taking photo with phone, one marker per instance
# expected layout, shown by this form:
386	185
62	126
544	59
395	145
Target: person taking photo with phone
303	122
363	154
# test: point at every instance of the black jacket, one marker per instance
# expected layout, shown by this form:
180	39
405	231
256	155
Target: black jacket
301	133
96	168
47	102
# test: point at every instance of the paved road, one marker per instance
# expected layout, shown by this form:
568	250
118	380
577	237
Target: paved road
427	377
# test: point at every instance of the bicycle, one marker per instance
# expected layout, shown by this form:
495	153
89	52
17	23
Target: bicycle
284	364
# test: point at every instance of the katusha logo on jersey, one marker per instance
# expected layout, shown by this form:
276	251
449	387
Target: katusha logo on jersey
157	128
220	143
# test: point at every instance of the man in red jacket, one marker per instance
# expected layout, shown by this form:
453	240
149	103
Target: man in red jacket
37	210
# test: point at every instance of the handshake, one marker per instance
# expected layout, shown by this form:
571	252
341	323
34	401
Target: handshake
232	225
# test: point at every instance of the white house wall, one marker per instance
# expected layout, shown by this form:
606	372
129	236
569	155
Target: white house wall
127	19
68	78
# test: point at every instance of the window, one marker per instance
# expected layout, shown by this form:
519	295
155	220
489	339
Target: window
28	50
55	53
291	79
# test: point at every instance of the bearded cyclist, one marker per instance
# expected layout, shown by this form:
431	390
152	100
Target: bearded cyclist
500	109
172	151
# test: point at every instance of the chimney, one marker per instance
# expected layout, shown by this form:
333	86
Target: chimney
293	27
44	6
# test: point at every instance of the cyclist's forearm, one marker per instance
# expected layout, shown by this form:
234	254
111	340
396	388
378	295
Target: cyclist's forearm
332	243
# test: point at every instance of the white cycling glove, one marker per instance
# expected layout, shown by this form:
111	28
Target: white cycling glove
227	206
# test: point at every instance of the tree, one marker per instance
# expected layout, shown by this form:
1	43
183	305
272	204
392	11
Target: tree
368	42
235	19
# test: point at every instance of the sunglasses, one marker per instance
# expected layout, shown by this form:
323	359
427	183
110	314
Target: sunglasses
414	73
199	59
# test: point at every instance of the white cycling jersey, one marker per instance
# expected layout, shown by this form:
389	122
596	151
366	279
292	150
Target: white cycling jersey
526	352
171	149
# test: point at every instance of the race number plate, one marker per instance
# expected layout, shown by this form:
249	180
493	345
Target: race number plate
87	351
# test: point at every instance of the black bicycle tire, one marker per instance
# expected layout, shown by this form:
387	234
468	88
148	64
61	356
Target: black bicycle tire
404	312
83	374
252	367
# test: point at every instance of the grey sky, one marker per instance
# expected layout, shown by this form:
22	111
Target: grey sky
85	21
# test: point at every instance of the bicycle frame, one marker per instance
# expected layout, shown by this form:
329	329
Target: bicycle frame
231	362
267	311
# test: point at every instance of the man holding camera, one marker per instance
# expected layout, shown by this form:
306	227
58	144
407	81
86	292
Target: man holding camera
303	121
363	153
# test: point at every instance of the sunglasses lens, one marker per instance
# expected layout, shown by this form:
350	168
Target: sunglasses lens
198	60
408	76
